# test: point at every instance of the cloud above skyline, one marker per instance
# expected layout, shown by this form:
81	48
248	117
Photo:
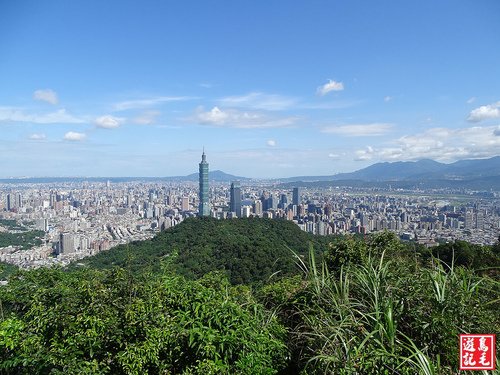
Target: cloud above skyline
60	116
485	112
37	136
259	100
441	144
358	130
74	136
108	122
47	95
146	117
148	102
241	119
330	86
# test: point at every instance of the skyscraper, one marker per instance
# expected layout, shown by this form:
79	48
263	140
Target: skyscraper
283	201
185	204
66	243
235	203
11	203
257	208
204	208
296	198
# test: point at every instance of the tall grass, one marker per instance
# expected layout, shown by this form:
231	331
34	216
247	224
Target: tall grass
376	310
353	319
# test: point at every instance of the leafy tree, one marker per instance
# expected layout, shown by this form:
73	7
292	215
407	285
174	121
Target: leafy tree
25	240
109	322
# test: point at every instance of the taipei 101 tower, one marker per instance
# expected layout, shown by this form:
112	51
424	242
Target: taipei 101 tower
204	208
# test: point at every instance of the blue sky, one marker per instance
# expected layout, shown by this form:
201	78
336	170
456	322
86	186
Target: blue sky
269	88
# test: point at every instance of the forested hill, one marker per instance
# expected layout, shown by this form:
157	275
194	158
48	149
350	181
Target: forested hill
372	306
247	249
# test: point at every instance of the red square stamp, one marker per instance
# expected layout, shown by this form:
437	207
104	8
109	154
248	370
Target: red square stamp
477	352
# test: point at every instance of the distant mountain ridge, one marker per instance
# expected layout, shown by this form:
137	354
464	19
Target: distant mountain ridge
474	174
216	175
424	169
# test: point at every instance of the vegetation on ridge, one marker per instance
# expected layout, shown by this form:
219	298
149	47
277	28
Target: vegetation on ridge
366	306
248	250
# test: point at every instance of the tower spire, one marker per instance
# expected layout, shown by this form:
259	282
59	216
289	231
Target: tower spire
204	207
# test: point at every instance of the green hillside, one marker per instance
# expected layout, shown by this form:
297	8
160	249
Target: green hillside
6	270
248	250
370	305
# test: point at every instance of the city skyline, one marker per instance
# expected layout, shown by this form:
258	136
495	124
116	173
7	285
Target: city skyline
271	90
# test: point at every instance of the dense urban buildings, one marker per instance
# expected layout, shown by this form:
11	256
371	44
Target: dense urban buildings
81	218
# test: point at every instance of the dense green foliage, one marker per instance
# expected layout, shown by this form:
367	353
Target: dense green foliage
10	224
247	250
25	240
367	306
6	270
105	322
376	307
461	253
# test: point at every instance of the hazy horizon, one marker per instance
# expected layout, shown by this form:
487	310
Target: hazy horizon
196	173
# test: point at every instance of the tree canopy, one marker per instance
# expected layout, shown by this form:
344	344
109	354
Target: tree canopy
369	305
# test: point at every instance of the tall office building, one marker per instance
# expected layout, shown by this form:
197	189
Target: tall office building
235	202
283	201
66	243
296	199
257	208
185	204
480	220
11	204
469	219
204	208
19	200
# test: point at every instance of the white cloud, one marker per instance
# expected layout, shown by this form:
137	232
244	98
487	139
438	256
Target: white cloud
439	144
37	137
108	122
258	100
337	104
147	117
74	136
47	95
496	132
359	130
214	116
330	86
387	99
149	102
333	156
239	119
485	112
19	115
271	142
471	100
